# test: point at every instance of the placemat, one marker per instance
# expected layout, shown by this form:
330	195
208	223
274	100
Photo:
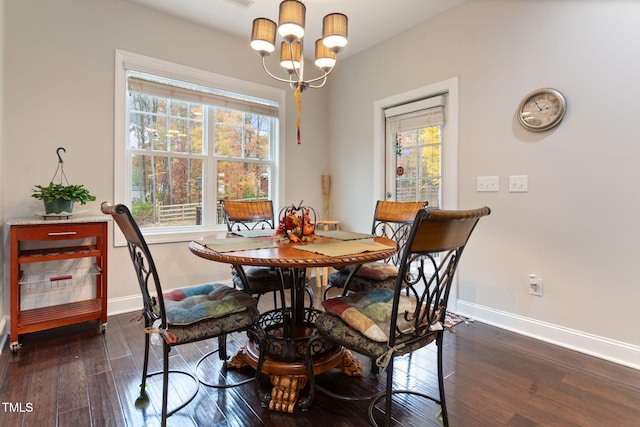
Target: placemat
342	248
237	244
255	233
343	235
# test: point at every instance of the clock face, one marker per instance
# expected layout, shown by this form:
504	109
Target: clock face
542	109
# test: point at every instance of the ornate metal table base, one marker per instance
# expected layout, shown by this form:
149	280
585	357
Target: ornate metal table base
289	379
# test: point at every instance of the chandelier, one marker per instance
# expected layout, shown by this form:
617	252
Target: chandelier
291	28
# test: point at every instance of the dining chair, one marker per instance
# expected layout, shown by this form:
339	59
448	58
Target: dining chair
385	323
181	315
392	220
249	216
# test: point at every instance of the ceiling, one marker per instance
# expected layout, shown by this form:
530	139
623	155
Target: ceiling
370	21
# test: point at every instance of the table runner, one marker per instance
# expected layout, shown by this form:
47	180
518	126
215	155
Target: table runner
342	248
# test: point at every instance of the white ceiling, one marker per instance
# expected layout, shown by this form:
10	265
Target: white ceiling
370	21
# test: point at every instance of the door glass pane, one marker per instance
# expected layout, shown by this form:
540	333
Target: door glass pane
417	165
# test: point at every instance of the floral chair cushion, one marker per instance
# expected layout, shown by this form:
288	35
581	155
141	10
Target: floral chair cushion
207	310
339	278
369	312
189	305
332	327
263	279
374	271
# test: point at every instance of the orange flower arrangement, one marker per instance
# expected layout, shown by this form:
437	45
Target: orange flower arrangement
294	226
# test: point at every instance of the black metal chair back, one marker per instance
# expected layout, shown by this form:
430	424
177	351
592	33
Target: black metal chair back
157	320
418	301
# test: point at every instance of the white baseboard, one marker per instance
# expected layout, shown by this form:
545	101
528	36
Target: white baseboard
601	347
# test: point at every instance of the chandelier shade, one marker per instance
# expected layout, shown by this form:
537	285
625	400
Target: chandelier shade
325	59
334	31
290	56
263	36
291	20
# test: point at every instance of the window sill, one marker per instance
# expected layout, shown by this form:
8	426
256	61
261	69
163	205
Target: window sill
155	236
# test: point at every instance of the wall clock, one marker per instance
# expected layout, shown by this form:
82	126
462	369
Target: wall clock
542	109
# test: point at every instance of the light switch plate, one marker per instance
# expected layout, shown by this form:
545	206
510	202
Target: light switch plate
487	183
518	183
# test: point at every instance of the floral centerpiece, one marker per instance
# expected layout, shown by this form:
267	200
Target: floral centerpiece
296	224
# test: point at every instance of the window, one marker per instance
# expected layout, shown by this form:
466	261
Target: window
189	139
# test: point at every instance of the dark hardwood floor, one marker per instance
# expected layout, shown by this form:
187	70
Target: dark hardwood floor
73	377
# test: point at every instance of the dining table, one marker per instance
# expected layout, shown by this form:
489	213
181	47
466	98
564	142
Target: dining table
281	343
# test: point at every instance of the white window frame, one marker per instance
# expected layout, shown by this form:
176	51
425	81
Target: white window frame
128	61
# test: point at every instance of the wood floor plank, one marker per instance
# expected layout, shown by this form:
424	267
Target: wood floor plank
95	357
14	388
72	387
127	379
115	338
106	410
43	387
75	418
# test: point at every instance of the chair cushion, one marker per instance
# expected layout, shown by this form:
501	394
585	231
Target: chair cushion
374	270
369	312
210	310
334	329
339	278
263	280
194	304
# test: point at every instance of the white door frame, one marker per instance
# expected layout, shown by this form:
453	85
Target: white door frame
450	138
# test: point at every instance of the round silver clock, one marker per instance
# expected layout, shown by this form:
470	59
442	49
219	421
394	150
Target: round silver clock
542	109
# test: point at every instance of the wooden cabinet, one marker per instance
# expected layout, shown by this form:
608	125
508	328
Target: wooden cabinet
53	255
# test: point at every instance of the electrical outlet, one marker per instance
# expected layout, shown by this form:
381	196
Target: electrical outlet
487	183
535	285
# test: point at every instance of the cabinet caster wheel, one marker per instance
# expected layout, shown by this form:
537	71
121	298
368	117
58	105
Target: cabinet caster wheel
14	347
102	328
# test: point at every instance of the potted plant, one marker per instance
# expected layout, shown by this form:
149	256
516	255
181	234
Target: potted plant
60	198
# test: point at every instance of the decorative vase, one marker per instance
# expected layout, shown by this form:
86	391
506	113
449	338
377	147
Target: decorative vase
58	206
